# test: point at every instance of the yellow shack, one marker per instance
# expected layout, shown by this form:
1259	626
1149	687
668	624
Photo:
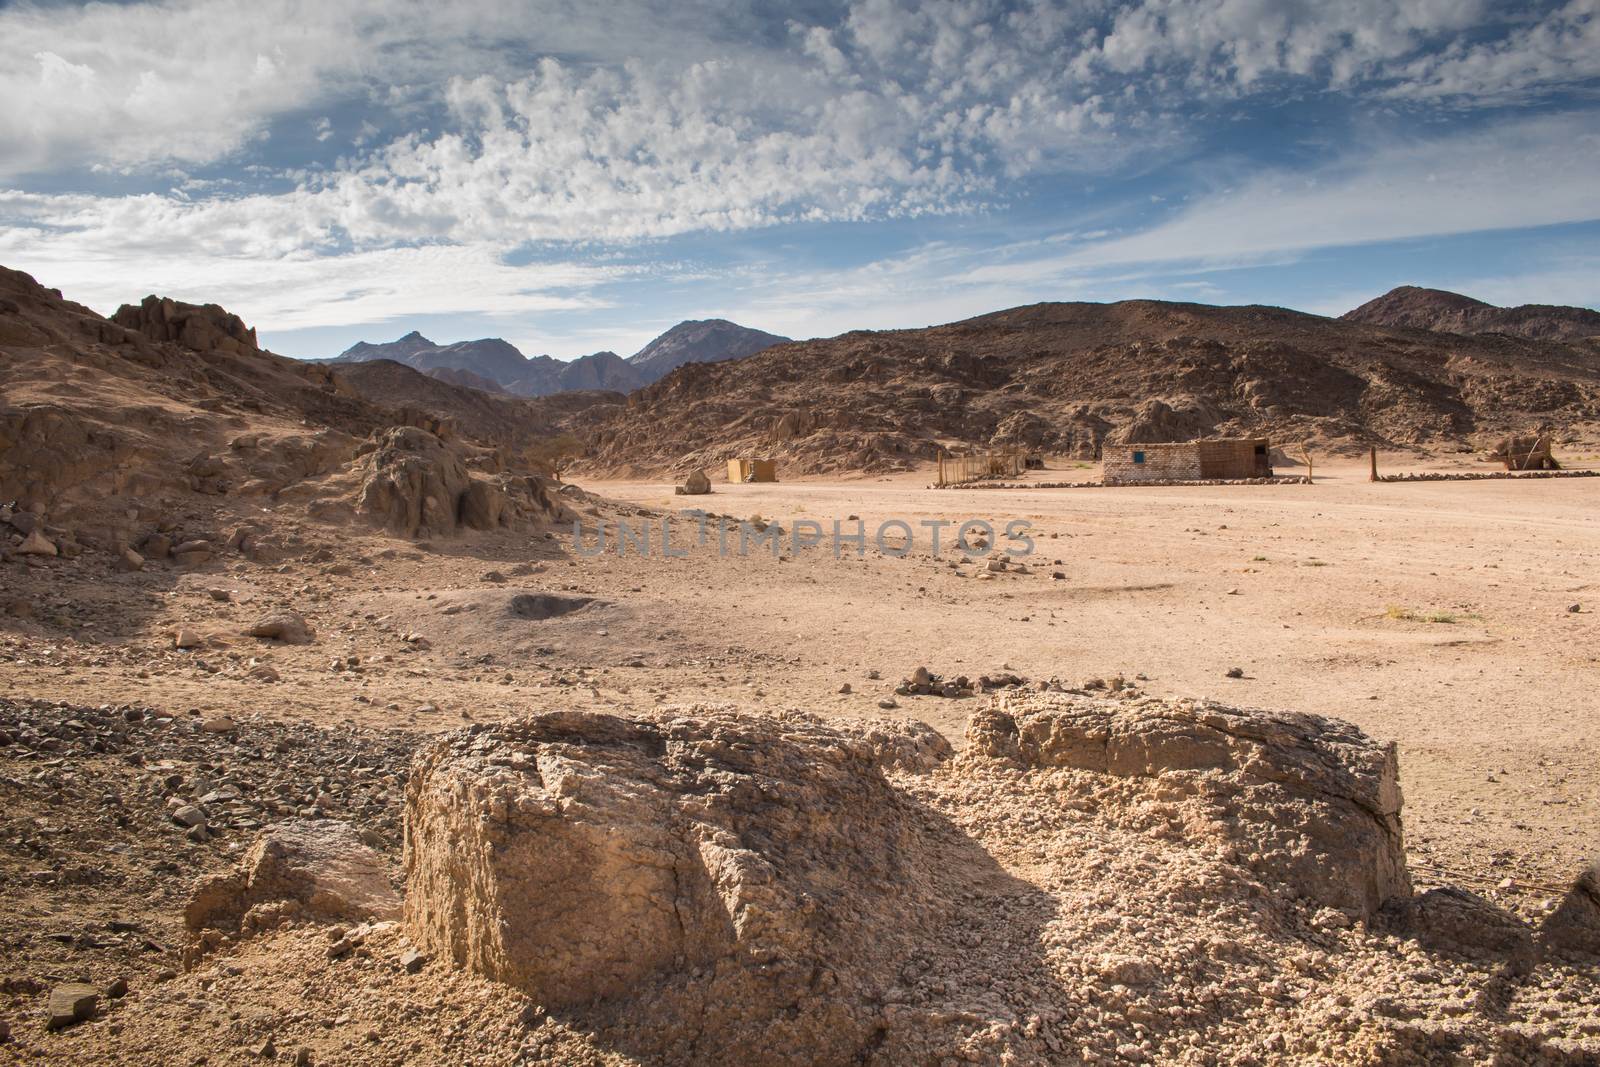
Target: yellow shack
752	470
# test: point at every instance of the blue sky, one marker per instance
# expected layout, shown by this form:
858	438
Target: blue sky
576	177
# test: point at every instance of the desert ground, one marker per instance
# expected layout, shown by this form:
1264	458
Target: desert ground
1454	618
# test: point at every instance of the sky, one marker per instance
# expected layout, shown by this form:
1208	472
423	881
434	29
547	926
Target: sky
574	176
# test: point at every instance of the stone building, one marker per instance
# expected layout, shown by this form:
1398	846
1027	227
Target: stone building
1187	461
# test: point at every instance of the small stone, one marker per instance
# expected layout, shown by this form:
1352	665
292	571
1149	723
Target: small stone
411	960
286	626
266	1050
218	724
70	1004
129	560
219	595
186	638
117	989
37	544
887	703
1235	672
845	688
189	815
1574	608
302	1056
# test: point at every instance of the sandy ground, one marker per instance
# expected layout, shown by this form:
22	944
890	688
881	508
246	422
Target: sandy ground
1434	614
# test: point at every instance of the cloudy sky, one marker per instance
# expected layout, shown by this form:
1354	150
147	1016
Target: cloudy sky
576	176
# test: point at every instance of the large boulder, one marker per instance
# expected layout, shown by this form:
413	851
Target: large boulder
413	484
711	886
316	868
1309	802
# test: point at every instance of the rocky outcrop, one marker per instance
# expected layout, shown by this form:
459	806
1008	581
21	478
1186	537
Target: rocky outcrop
202	327
415	485
302	868
716	887
1313	802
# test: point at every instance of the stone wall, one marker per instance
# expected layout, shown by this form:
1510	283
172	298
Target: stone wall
1132	464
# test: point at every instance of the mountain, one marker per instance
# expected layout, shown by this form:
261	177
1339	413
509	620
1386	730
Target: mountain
1065	378
498	364
1446	312
700	341
542	375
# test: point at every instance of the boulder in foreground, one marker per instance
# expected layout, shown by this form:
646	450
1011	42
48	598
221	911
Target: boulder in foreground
300	867
720	887
1316	801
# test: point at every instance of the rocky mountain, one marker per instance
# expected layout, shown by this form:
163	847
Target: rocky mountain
1067	377
1446	312
700	341
167	423
491	362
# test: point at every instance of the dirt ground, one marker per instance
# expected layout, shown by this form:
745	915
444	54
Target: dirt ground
1436	614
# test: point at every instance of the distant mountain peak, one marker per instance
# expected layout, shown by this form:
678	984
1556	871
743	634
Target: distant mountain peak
701	341
1442	311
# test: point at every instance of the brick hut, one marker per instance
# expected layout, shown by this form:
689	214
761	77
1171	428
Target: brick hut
1223	459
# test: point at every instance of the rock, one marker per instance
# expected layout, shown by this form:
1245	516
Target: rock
71	1003
1316	800
745	879
1235	672
186	638
263	672
189	815
697	484
412	961
266	1050
1575	924
117	989
192	553
1574	608
319	864
222	596
156	546
1460	923
37	544
218	724
845	688
286	626
129	560
414	485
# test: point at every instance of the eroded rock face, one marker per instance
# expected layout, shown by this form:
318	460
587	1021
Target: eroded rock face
203	328
1315	802
301	867
712	886
415	485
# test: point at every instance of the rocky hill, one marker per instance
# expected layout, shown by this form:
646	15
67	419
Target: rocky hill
1067	377
167	423
1445	312
700	341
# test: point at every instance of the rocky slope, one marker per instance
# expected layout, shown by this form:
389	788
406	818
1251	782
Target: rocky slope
109	429
700	341
1066	377
1446	312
